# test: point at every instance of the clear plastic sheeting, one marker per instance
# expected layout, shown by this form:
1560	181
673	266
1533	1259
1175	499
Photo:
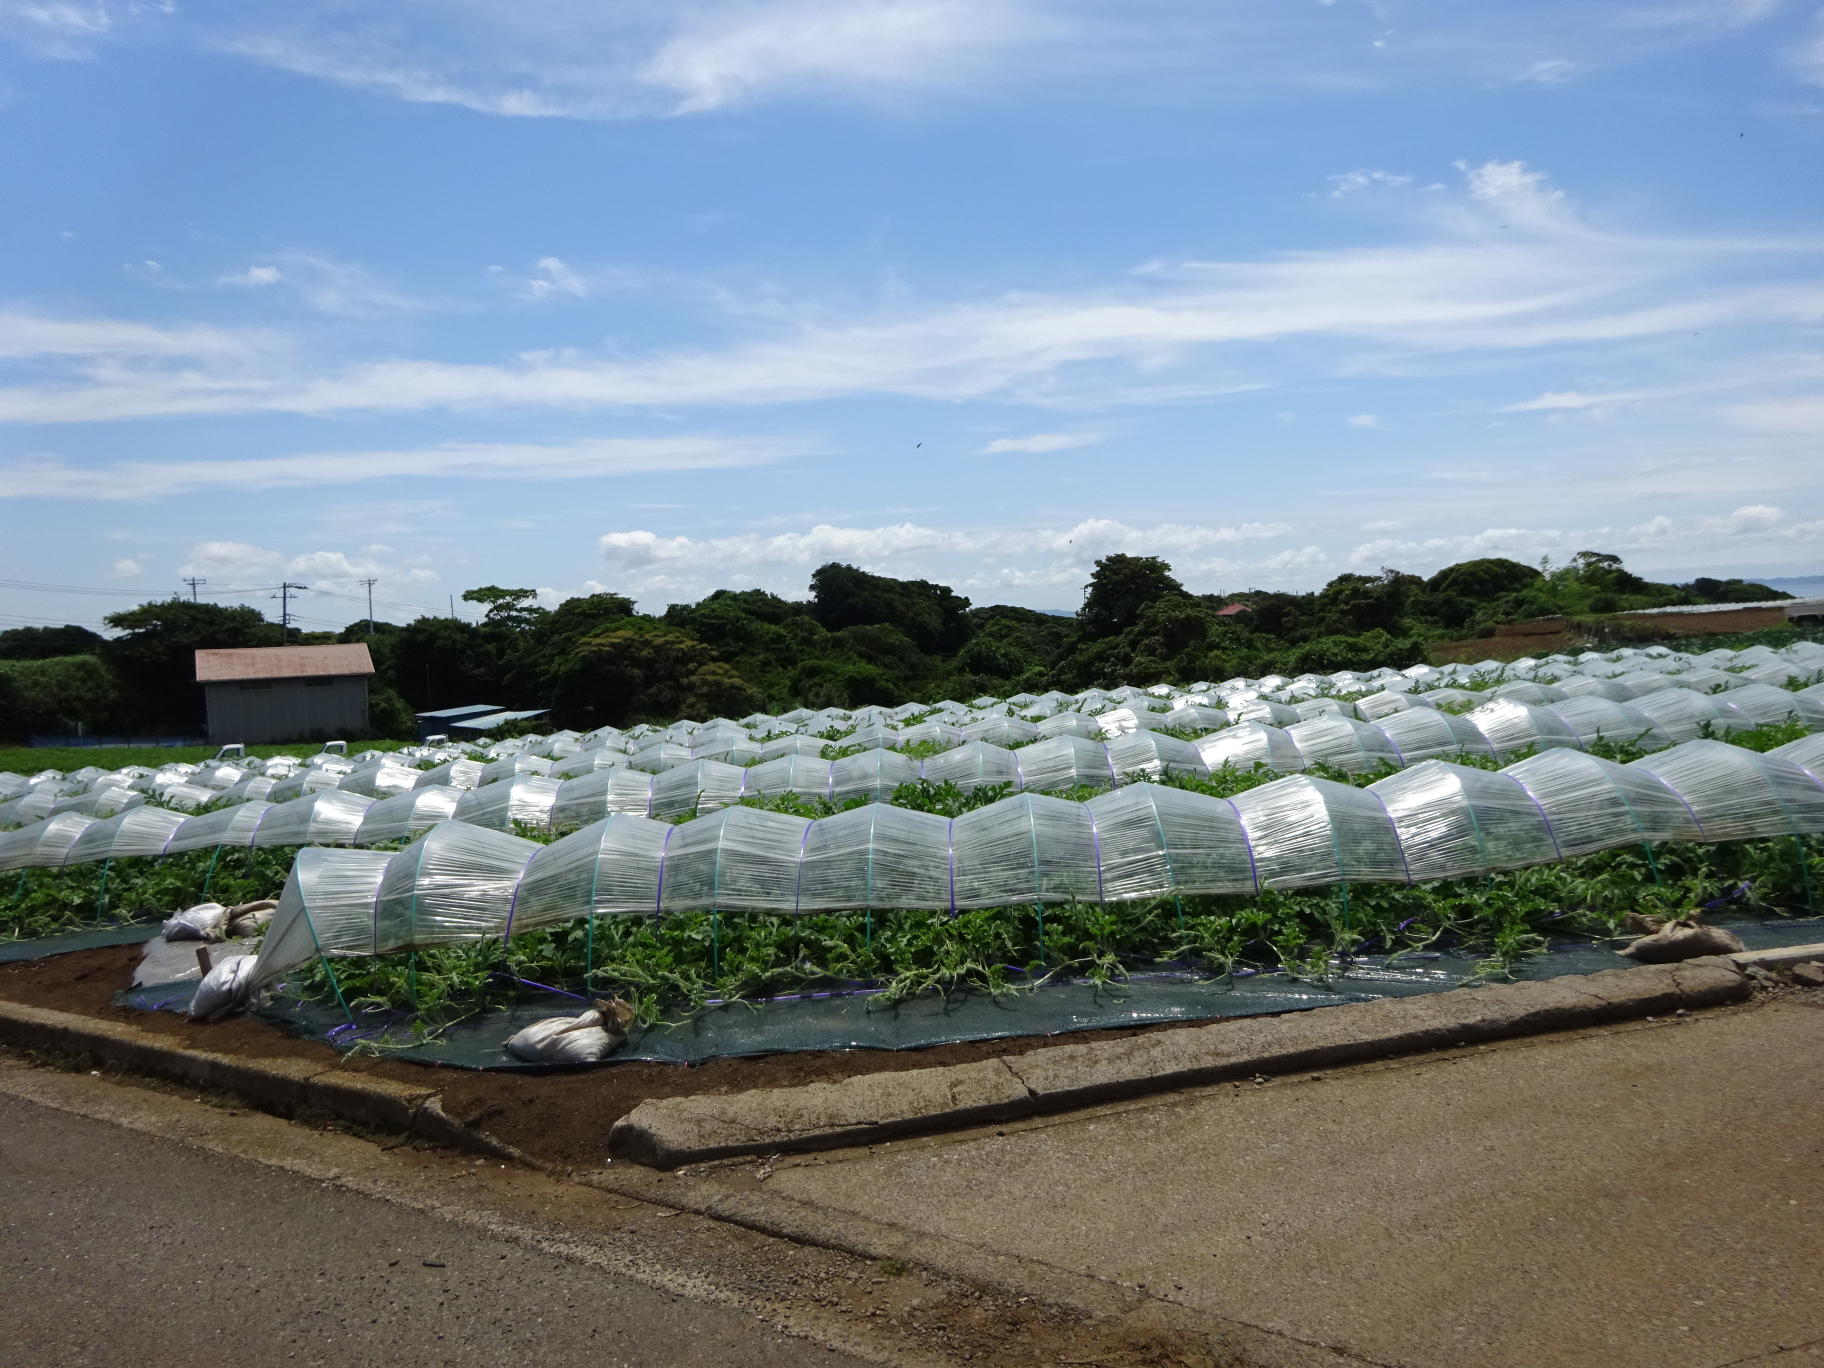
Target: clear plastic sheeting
528	799
873	774
1353	747
1307	832
1452	820
1595	804
1592	719
1153	842
1428	734
403	815
229	826
330	817
1062	762
1247	744
1807	753
457	774
43	844
326	910
610	866
1510	725
301	784
1737	794
138	831
450	884
588	798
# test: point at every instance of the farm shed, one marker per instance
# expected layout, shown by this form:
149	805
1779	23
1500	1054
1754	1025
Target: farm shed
285	693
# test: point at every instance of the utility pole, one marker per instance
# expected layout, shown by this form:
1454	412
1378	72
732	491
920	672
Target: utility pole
193	581
370	583
284	596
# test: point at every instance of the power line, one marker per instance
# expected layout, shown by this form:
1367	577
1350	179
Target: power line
284	597
41	587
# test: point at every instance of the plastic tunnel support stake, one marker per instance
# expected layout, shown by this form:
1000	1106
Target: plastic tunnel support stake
101	892
209	877
1039	911
1653	863
715	942
1811	895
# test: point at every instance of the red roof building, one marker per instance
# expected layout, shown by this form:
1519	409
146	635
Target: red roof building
285	693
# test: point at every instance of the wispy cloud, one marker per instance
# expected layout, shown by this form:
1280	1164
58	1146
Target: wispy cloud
1041	442
591	61
50	476
1507	265
582	59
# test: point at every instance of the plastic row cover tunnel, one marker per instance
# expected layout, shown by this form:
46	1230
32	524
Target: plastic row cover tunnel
1435	820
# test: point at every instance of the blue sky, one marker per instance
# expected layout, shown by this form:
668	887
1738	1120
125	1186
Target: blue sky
669	295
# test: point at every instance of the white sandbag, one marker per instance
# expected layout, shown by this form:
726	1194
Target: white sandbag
250	918
204	922
224	989
586	1039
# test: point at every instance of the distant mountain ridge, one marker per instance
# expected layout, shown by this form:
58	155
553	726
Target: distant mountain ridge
1799	586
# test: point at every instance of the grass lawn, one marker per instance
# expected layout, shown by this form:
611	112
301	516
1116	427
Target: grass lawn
25	760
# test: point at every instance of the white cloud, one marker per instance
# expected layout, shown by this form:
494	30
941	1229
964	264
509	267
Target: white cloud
243	565
24	335
126	568
65	30
1041	442
1363	420
1383	525
1505	267
593	61
1354	182
729	54
1553	71
1805	416
550	276
253	277
585	59
1807	55
231	563
1746	521
1092	538
1573	400
596	458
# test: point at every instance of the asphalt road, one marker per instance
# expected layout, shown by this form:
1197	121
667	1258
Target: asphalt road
1647	1196
121	1248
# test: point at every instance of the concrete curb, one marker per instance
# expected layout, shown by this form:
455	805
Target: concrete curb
287	1087
668	1132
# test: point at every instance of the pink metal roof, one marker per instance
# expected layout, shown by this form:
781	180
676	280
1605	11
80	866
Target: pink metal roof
282	662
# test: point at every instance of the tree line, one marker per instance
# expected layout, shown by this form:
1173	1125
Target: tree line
858	638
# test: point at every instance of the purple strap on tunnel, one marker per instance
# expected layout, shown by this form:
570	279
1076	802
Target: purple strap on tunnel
1557	849
1395	826
518	884
950	840
1248	842
1095	837
658	892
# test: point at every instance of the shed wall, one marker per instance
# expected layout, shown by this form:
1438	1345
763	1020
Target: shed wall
286	709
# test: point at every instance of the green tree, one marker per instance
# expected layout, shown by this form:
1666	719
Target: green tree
1119	591
63	694
154	657
42	643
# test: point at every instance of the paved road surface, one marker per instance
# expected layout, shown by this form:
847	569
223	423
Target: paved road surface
1649	1197
120	1248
